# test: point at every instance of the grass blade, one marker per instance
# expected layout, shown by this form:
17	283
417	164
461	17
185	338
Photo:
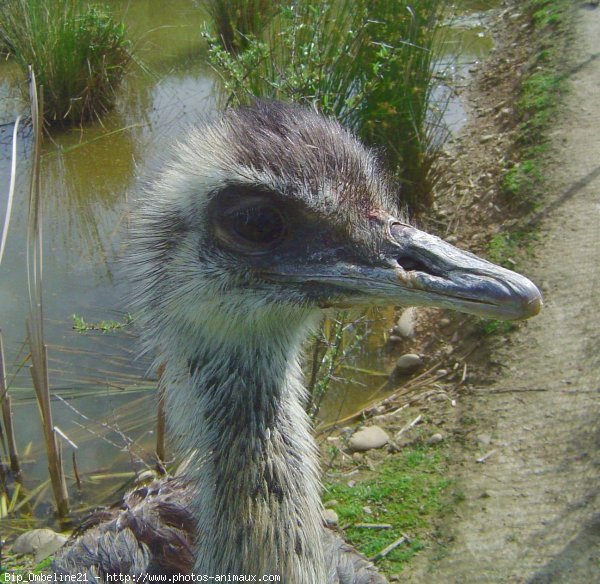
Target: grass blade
11	188
7	417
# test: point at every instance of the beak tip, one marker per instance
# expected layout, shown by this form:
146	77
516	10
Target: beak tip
534	305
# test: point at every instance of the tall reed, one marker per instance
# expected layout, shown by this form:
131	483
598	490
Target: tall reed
398	111
35	321
234	21
8	434
78	51
369	63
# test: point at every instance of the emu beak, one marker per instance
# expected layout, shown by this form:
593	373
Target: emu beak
427	271
413	268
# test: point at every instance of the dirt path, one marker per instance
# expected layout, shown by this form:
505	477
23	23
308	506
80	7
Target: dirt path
532	509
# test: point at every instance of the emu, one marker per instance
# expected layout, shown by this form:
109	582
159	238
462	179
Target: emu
259	221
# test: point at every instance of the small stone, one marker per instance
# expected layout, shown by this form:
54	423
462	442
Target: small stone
407	364
487	138
484	439
368	438
435	438
41	543
366	509
330	517
331	503
394	339
406	323
444	322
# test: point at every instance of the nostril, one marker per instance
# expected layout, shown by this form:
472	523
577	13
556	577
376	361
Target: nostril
412	265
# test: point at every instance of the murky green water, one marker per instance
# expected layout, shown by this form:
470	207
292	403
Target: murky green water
87	175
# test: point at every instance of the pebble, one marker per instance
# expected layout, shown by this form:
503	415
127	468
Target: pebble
330	517
435	438
484	439
444	322
408	363
366	509
406	323
368	438
41	543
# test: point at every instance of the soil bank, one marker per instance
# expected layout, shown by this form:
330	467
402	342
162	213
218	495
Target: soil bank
531	509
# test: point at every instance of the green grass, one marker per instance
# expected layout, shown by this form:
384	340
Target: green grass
78	52
498	327
548	13
368	63
511	248
538	99
521	181
408	490
82	326
19	568
504	248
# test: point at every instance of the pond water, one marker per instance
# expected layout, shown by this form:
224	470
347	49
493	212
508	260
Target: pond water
109	404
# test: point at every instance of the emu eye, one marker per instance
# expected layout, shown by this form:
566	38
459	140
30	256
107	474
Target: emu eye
259	226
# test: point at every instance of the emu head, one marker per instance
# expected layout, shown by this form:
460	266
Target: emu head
271	213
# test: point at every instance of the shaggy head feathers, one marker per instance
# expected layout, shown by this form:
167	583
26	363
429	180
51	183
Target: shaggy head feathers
184	280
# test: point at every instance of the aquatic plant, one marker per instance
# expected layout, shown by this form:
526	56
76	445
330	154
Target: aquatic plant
369	63
398	109
79	53
105	326
234	21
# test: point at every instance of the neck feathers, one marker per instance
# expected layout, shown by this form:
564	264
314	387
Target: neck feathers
258	496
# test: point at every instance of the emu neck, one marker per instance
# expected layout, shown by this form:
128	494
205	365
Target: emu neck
256	476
